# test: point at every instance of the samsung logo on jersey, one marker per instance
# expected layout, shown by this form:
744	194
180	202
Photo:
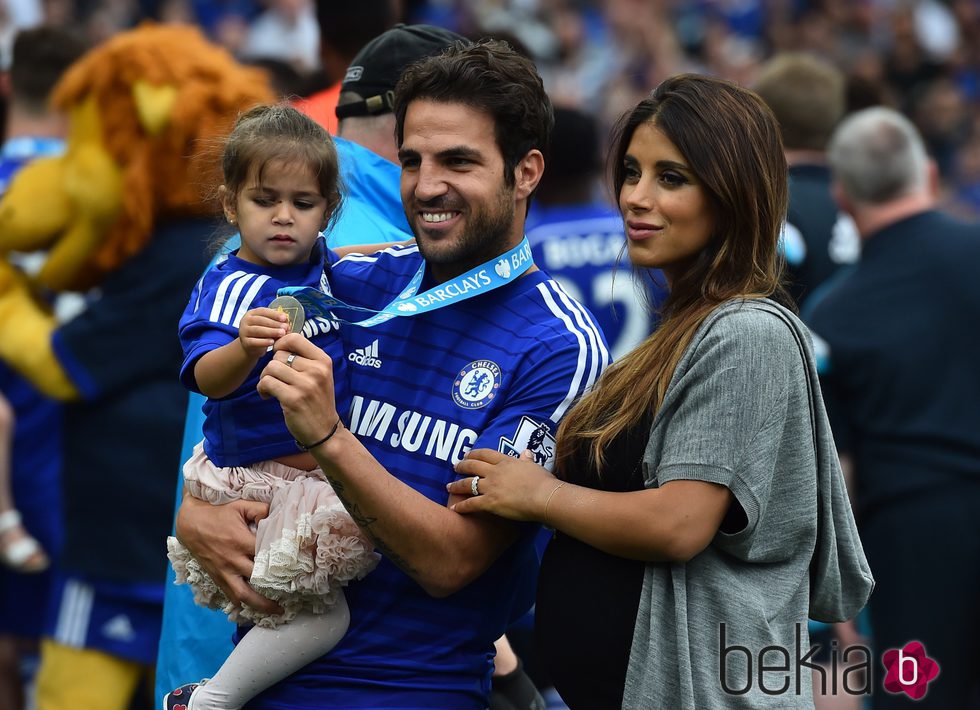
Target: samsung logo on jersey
318	324
411	431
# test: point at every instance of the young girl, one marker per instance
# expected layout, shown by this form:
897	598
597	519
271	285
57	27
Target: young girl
281	189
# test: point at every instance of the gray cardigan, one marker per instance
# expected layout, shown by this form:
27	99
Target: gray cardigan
738	412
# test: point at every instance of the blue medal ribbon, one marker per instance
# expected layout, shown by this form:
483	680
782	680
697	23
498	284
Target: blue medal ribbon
491	275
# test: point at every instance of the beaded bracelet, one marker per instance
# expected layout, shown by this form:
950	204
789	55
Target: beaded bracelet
304	447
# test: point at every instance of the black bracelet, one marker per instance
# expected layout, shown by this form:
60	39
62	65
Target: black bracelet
304	447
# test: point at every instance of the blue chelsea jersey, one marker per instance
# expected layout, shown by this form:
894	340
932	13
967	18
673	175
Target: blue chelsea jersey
243	428
498	371
583	247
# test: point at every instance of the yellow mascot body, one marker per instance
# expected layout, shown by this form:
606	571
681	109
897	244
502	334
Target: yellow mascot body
124	216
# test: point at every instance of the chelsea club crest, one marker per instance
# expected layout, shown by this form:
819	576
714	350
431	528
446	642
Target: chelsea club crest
476	384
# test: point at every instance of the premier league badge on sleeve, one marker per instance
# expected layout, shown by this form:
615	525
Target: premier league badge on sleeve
533	437
476	384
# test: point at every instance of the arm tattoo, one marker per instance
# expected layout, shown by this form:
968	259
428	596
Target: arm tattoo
364	522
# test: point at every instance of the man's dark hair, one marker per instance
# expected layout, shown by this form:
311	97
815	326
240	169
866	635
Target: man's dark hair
40	56
490	77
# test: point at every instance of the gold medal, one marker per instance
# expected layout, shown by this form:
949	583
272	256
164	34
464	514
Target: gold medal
293	310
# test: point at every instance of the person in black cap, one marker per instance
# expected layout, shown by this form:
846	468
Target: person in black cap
364	109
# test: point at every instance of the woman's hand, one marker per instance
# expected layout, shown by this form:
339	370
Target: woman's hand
221	538
300	376
517	489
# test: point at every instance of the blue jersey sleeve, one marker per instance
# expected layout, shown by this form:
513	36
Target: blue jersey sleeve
202	326
566	362
231	288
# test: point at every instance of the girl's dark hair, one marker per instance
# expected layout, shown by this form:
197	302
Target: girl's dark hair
281	133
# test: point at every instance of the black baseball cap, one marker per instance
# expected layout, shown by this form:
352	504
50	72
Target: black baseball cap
375	69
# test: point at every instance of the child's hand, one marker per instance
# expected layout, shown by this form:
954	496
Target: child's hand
260	329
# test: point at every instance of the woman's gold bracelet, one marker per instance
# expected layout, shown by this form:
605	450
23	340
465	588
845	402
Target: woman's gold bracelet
548	502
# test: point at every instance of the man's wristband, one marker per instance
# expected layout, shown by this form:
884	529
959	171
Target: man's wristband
305	447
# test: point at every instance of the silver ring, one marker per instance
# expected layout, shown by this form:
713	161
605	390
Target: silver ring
289	360
474	482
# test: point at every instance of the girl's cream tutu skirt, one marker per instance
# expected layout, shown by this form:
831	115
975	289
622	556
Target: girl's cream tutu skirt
305	551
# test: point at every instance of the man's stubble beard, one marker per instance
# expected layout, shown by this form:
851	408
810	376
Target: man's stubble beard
486	236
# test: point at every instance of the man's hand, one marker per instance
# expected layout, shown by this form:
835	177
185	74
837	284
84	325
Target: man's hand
300	376
222	539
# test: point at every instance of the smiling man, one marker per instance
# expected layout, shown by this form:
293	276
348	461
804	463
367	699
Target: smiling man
458	195
495	361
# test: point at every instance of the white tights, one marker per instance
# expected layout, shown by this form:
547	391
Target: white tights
266	656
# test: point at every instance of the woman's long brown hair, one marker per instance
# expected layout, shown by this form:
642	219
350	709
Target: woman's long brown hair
731	142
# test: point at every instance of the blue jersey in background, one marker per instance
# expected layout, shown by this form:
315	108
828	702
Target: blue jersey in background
583	248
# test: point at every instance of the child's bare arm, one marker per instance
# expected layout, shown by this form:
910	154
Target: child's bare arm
223	370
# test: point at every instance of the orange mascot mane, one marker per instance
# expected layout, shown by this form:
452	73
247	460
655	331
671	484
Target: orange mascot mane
147	111
196	90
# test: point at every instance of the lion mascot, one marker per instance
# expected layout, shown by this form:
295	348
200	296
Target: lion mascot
124	216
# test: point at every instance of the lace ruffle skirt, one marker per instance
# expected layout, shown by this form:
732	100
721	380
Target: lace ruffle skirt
306	550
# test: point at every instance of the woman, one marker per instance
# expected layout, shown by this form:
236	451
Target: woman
699	509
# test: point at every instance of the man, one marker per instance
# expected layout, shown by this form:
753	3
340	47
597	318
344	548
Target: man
195	641
807	96
471	125
900	381
39	57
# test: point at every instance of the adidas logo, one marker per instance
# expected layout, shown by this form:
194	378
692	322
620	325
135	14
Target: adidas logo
367	356
119	628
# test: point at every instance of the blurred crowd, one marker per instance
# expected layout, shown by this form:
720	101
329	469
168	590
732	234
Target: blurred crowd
920	56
